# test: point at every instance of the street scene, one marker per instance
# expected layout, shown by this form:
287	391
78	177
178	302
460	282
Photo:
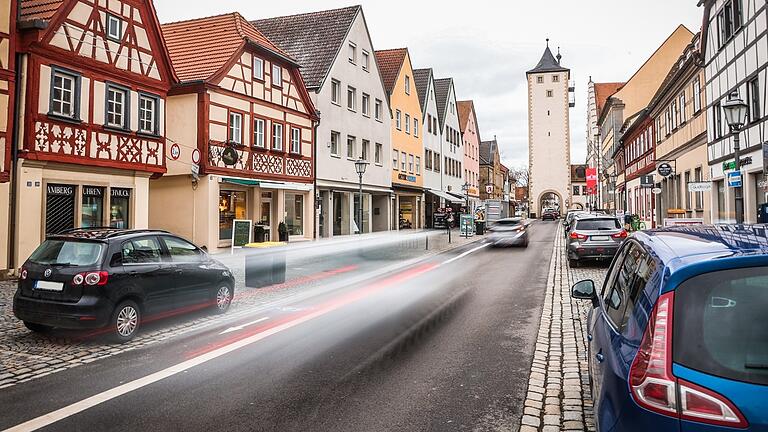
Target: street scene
400	216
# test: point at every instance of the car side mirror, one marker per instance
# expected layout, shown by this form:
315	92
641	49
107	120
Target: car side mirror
585	290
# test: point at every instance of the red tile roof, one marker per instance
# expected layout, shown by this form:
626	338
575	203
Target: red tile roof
390	61
199	48
30	10
465	110
603	91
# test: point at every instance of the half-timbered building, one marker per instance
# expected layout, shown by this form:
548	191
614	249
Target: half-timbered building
7	89
241	132
93	77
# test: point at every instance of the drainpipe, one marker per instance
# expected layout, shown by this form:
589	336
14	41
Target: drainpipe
14	159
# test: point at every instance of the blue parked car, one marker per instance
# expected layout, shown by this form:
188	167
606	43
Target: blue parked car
678	336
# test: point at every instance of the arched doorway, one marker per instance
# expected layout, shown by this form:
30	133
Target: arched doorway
550	199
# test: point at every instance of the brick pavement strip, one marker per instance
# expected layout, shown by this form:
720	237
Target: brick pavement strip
25	356
558	396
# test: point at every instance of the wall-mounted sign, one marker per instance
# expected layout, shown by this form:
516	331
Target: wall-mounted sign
591	178
656	191
664	170
195	170
734	179
93	191
489	189
61	190
731	165
646	181
699	187
175	151
121	193
405	177
196	156
229	156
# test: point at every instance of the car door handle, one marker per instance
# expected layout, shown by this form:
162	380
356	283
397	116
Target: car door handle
600	357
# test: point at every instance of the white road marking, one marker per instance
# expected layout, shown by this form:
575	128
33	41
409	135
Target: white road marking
458	257
100	398
242	326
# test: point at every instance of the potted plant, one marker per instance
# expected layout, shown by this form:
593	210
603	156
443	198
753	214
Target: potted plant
282	231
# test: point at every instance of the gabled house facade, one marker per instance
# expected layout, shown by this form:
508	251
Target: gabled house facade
342	76
92	118
470	133
491	171
434	198
451	143
241	133
7	93
733	52
407	146
638	153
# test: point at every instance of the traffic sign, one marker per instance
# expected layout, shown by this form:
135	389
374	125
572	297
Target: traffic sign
734	179
175	151
664	170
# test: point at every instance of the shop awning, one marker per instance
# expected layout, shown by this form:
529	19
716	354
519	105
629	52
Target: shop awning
445	196
458	197
268	184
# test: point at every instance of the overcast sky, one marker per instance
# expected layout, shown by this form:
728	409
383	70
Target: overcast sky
487	46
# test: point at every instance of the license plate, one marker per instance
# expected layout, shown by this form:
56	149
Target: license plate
49	286
600	238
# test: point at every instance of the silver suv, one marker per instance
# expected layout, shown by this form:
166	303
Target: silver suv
594	237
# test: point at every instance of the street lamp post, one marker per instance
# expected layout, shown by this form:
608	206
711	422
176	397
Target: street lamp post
735	111
360	166
465	189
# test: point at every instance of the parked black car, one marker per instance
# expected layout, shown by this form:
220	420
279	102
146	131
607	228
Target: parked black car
113	279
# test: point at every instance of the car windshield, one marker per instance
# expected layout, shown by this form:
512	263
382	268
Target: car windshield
724	331
67	253
597	224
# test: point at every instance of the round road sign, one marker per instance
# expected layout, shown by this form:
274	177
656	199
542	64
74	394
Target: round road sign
196	156
175	151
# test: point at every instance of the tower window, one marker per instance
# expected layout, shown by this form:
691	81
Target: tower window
540	80
555	78
549	93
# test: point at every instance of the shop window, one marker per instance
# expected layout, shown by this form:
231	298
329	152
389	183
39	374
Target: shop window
294	214
59	208
119	208
232	205
266	209
92	214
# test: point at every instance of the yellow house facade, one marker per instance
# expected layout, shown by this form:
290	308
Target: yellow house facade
407	145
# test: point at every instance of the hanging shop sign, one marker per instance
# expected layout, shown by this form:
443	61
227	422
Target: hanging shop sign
664	169
229	156
731	165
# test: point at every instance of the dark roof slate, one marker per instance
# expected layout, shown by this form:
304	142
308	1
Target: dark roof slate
487	149
548	63
313	39
421	81
442	92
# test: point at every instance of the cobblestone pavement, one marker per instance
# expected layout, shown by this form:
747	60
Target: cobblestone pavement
25	355
559	397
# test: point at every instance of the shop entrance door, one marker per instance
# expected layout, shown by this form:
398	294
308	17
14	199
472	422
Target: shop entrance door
59	208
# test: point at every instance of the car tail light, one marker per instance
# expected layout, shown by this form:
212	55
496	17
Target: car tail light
98	278
577	236
620	235
23	274
655	388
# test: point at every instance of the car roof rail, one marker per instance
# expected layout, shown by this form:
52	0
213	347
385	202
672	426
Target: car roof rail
123	232
82	229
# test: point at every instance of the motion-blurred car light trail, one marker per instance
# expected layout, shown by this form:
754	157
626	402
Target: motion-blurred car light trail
323	308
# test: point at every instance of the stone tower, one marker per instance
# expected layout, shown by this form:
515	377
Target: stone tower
550	98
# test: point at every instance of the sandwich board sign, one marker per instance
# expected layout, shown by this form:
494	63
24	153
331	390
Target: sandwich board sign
242	230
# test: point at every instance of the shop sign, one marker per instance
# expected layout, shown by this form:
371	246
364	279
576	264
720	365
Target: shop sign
646	181
409	178
731	165
229	156
121	193
92	191
699	187
489	189
656	191
61	190
241	232
195	169
175	151
591	178
467	225
664	170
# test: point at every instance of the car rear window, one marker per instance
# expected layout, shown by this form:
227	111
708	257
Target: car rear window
719	324
67	253
508	222
597	224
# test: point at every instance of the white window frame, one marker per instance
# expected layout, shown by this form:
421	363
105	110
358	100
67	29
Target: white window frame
366	61
407	85
398	120
335	92
377	109
143	111
416	127
351	144
111	105
70	92
352	48
295	140
395	159
113	19
351	98
403	161
258	68
366	105
259	133
365	150
411	164
277	75
277	138
418	165
334	144
408	123
235	128
378	148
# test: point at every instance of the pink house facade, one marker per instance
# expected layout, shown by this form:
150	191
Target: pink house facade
471	136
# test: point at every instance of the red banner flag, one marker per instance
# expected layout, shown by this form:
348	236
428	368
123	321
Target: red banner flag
592	180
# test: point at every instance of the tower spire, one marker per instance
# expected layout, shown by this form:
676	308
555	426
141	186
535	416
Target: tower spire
559	57
547	42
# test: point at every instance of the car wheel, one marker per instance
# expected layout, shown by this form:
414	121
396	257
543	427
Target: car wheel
37	328
223	299
573	263
125	321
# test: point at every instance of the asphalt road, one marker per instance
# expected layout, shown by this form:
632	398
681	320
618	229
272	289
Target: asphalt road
440	345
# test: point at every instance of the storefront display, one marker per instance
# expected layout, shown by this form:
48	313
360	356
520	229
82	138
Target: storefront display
294	214
59	208
92	214
119	208
232	205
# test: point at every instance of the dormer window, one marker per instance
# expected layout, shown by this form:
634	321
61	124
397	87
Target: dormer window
258	68
114	28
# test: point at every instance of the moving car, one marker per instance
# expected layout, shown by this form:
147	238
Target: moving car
550	214
509	232
677	334
113	279
594	237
